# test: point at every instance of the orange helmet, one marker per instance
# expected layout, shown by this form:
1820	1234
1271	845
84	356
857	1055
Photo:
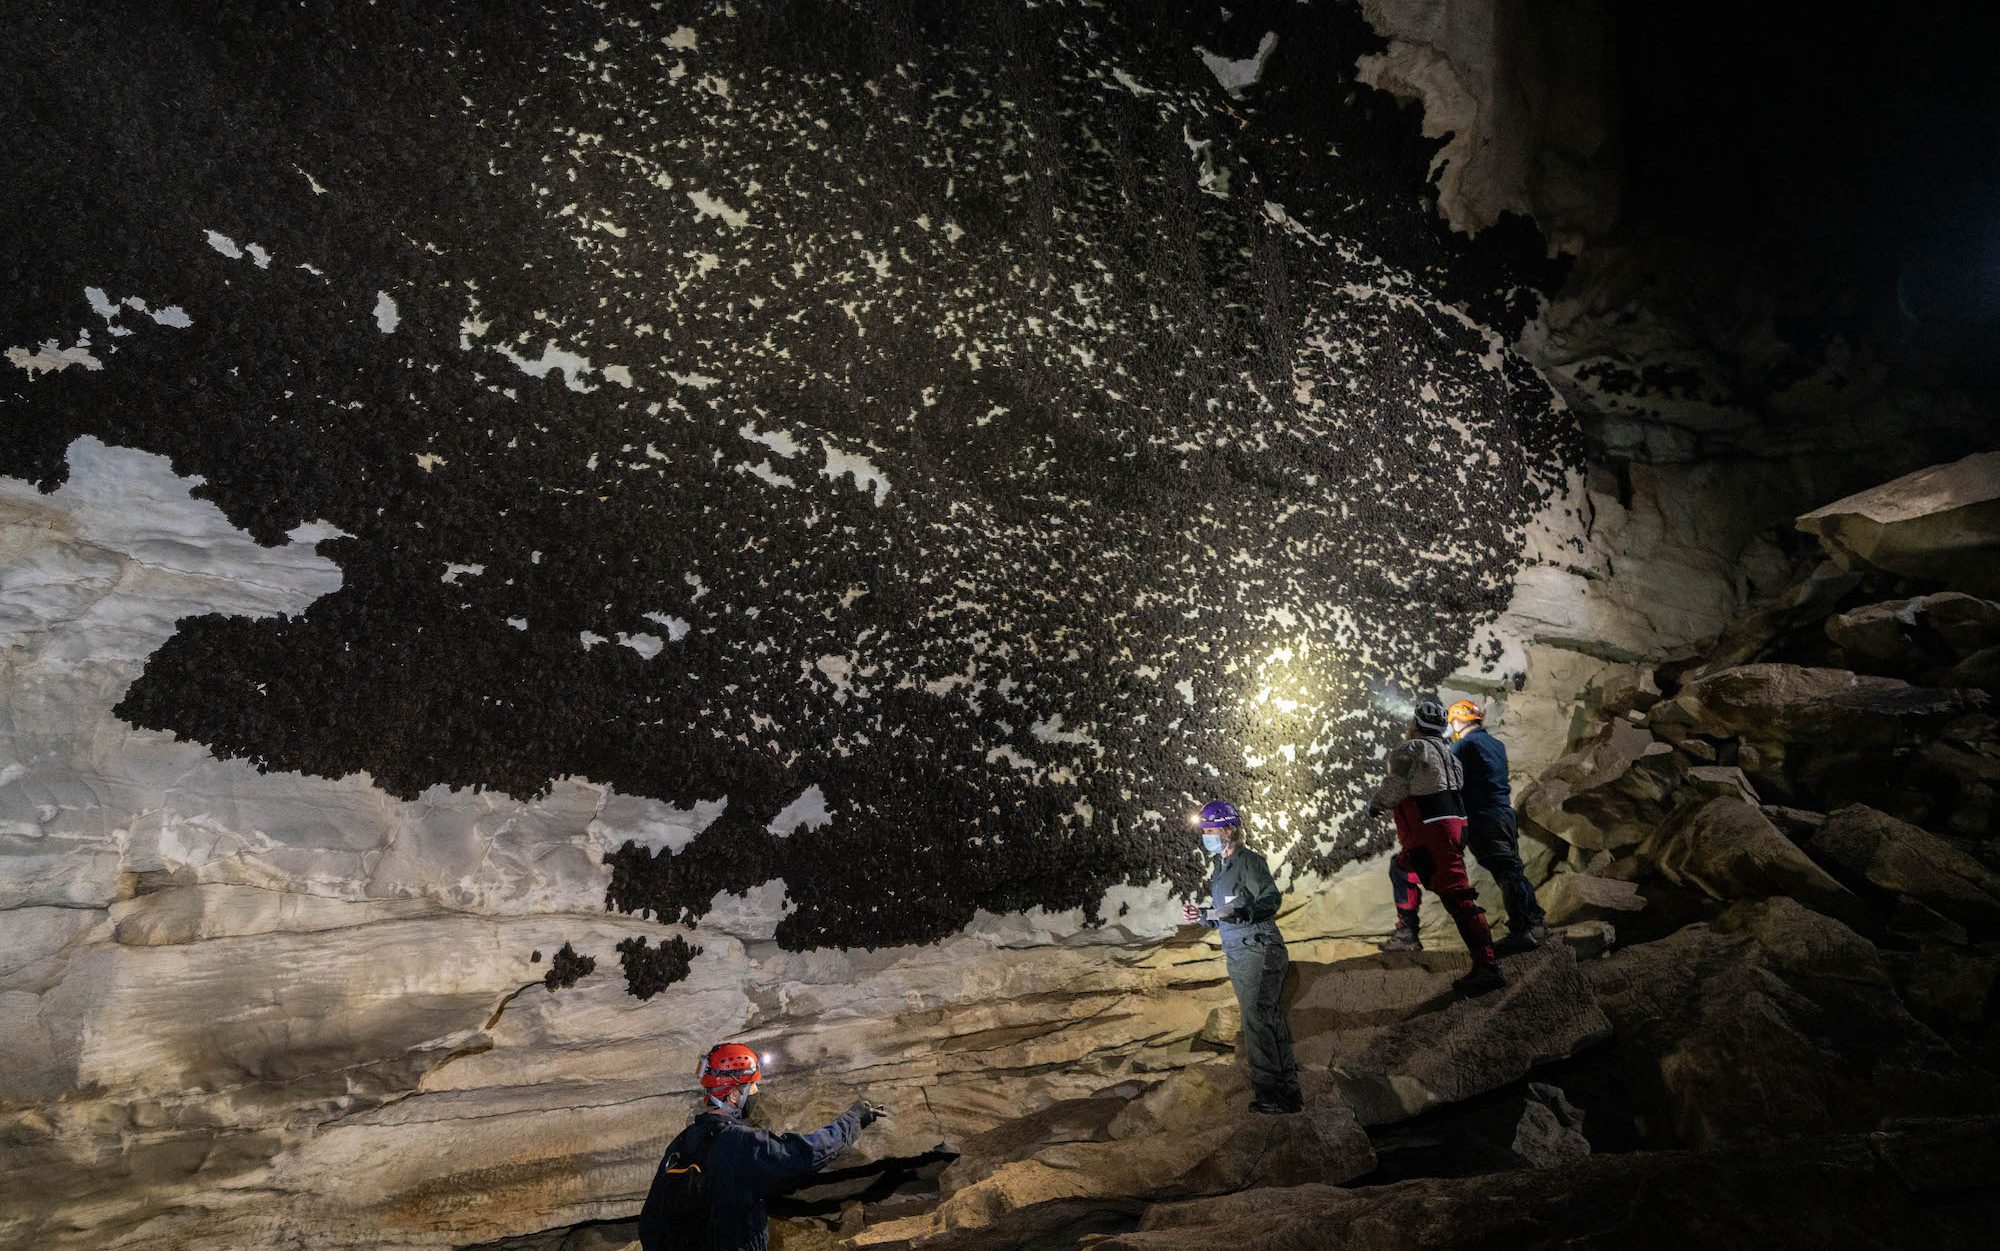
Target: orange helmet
726	1069
1465	710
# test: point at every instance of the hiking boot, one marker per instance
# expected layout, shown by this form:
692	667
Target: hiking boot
1519	941
1272	1105
1404	939
1483	978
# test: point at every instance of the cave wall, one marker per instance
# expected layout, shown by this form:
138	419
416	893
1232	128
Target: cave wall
1020	405
792	504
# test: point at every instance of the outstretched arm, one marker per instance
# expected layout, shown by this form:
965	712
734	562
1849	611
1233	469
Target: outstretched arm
785	1160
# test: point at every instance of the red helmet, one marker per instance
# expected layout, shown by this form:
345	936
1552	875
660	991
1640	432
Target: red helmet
727	1067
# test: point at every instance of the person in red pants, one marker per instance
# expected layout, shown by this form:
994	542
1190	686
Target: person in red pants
1422	789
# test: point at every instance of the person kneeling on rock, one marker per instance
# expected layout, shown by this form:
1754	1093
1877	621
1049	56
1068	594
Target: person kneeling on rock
1243	906
708	1193
1423	789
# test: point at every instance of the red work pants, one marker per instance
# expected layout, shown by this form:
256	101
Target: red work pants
1432	854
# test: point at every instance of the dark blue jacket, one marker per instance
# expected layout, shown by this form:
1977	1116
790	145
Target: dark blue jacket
748	1165
1484	759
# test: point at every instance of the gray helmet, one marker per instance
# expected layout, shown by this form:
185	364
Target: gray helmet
1430	717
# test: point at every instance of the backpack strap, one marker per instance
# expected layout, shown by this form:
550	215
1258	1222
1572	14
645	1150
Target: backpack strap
694	1161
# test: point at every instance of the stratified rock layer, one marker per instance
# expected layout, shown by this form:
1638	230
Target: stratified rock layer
1191	1136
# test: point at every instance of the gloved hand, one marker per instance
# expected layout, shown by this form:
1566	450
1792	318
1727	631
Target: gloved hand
870	1112
1371	811
1190	915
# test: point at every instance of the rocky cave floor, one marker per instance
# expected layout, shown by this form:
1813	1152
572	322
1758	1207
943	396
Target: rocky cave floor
1770	1020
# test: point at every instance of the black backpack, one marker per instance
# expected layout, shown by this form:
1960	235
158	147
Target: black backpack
676	1215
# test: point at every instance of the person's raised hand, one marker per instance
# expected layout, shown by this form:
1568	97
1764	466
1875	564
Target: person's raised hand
870	1112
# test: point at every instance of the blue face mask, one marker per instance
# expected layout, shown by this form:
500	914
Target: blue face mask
1212	843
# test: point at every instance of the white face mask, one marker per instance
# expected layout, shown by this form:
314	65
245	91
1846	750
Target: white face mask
1212	843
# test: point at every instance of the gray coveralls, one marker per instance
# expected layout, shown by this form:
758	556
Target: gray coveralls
1243	901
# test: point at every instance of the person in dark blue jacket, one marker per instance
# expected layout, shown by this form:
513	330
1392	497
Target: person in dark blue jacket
1491	834
742	1166
1243	905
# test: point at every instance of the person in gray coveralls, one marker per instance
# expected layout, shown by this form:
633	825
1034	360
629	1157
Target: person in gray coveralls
1243	905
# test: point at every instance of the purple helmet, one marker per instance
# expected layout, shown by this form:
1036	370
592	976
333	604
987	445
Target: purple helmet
1218	814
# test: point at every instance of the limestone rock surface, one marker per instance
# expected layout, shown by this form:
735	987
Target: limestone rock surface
1539	1129
1729	850
1588	940
1065	1121
1773	1021
1456	1048
1924	1185
220	987
1947	985
1606	794
1793	704
1900	858
1571	897
1925	634
1191	1136
1752	636
1941	524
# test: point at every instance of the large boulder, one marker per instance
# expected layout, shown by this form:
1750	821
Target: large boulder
1441	1048
1607	793
1729	850
1190	1136
1948	986
1940	524
1926	636
1755	634
1769	1022
1959	773
1980	669
1540	1129
1775	703
1946	780
1528	1125
1927	1186
1571	897
1899	858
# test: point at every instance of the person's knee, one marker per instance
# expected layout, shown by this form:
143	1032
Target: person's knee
1501	862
